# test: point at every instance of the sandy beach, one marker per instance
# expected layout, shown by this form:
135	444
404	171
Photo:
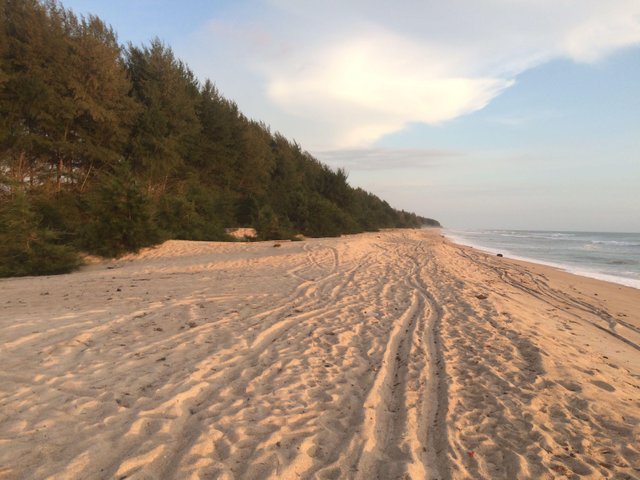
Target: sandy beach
391	355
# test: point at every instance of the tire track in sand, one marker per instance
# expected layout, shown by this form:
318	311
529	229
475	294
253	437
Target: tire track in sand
318	301
403	432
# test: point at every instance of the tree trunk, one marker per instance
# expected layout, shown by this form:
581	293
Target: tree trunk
60	169
86	177
19	172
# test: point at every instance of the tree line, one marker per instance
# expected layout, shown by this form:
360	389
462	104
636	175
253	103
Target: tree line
105	149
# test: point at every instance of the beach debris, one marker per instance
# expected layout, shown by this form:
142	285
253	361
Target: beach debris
275	245
499	255
481	296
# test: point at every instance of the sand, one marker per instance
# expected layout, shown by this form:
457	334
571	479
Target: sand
376	356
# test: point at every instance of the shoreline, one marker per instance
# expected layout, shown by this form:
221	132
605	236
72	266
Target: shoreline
377	355
584	289
582	272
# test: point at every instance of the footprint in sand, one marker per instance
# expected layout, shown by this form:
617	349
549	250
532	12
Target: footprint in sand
571	386
603	385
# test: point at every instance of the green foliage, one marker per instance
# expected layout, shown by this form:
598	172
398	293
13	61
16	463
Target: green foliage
62	212
193	214
328	219
247	210
270	227
64	104
108	150
165	129
28	248
120	216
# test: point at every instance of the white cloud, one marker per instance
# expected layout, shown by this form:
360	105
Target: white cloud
595	38
381	81
339	74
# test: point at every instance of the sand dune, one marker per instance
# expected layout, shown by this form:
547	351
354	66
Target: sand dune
375	356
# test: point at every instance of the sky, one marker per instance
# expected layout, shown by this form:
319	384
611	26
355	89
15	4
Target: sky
514	114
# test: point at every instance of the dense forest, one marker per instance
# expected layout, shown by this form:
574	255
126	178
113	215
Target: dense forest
105	149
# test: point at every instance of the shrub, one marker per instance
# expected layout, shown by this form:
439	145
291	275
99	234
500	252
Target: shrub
119	216
26	246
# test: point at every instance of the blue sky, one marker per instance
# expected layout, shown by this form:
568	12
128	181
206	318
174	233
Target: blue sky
495	114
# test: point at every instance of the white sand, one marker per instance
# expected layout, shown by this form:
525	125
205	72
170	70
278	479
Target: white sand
372	356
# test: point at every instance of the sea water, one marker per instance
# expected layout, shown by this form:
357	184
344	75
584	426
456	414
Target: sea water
614	257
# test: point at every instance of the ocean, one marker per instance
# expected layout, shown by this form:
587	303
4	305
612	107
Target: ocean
614	257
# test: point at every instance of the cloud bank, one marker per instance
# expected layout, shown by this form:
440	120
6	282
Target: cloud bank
342	74
377	158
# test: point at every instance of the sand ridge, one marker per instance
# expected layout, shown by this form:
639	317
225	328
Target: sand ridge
386	355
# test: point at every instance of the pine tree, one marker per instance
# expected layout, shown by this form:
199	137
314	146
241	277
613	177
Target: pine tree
218	141
26	246
119	215
103	110
166	129
63	103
